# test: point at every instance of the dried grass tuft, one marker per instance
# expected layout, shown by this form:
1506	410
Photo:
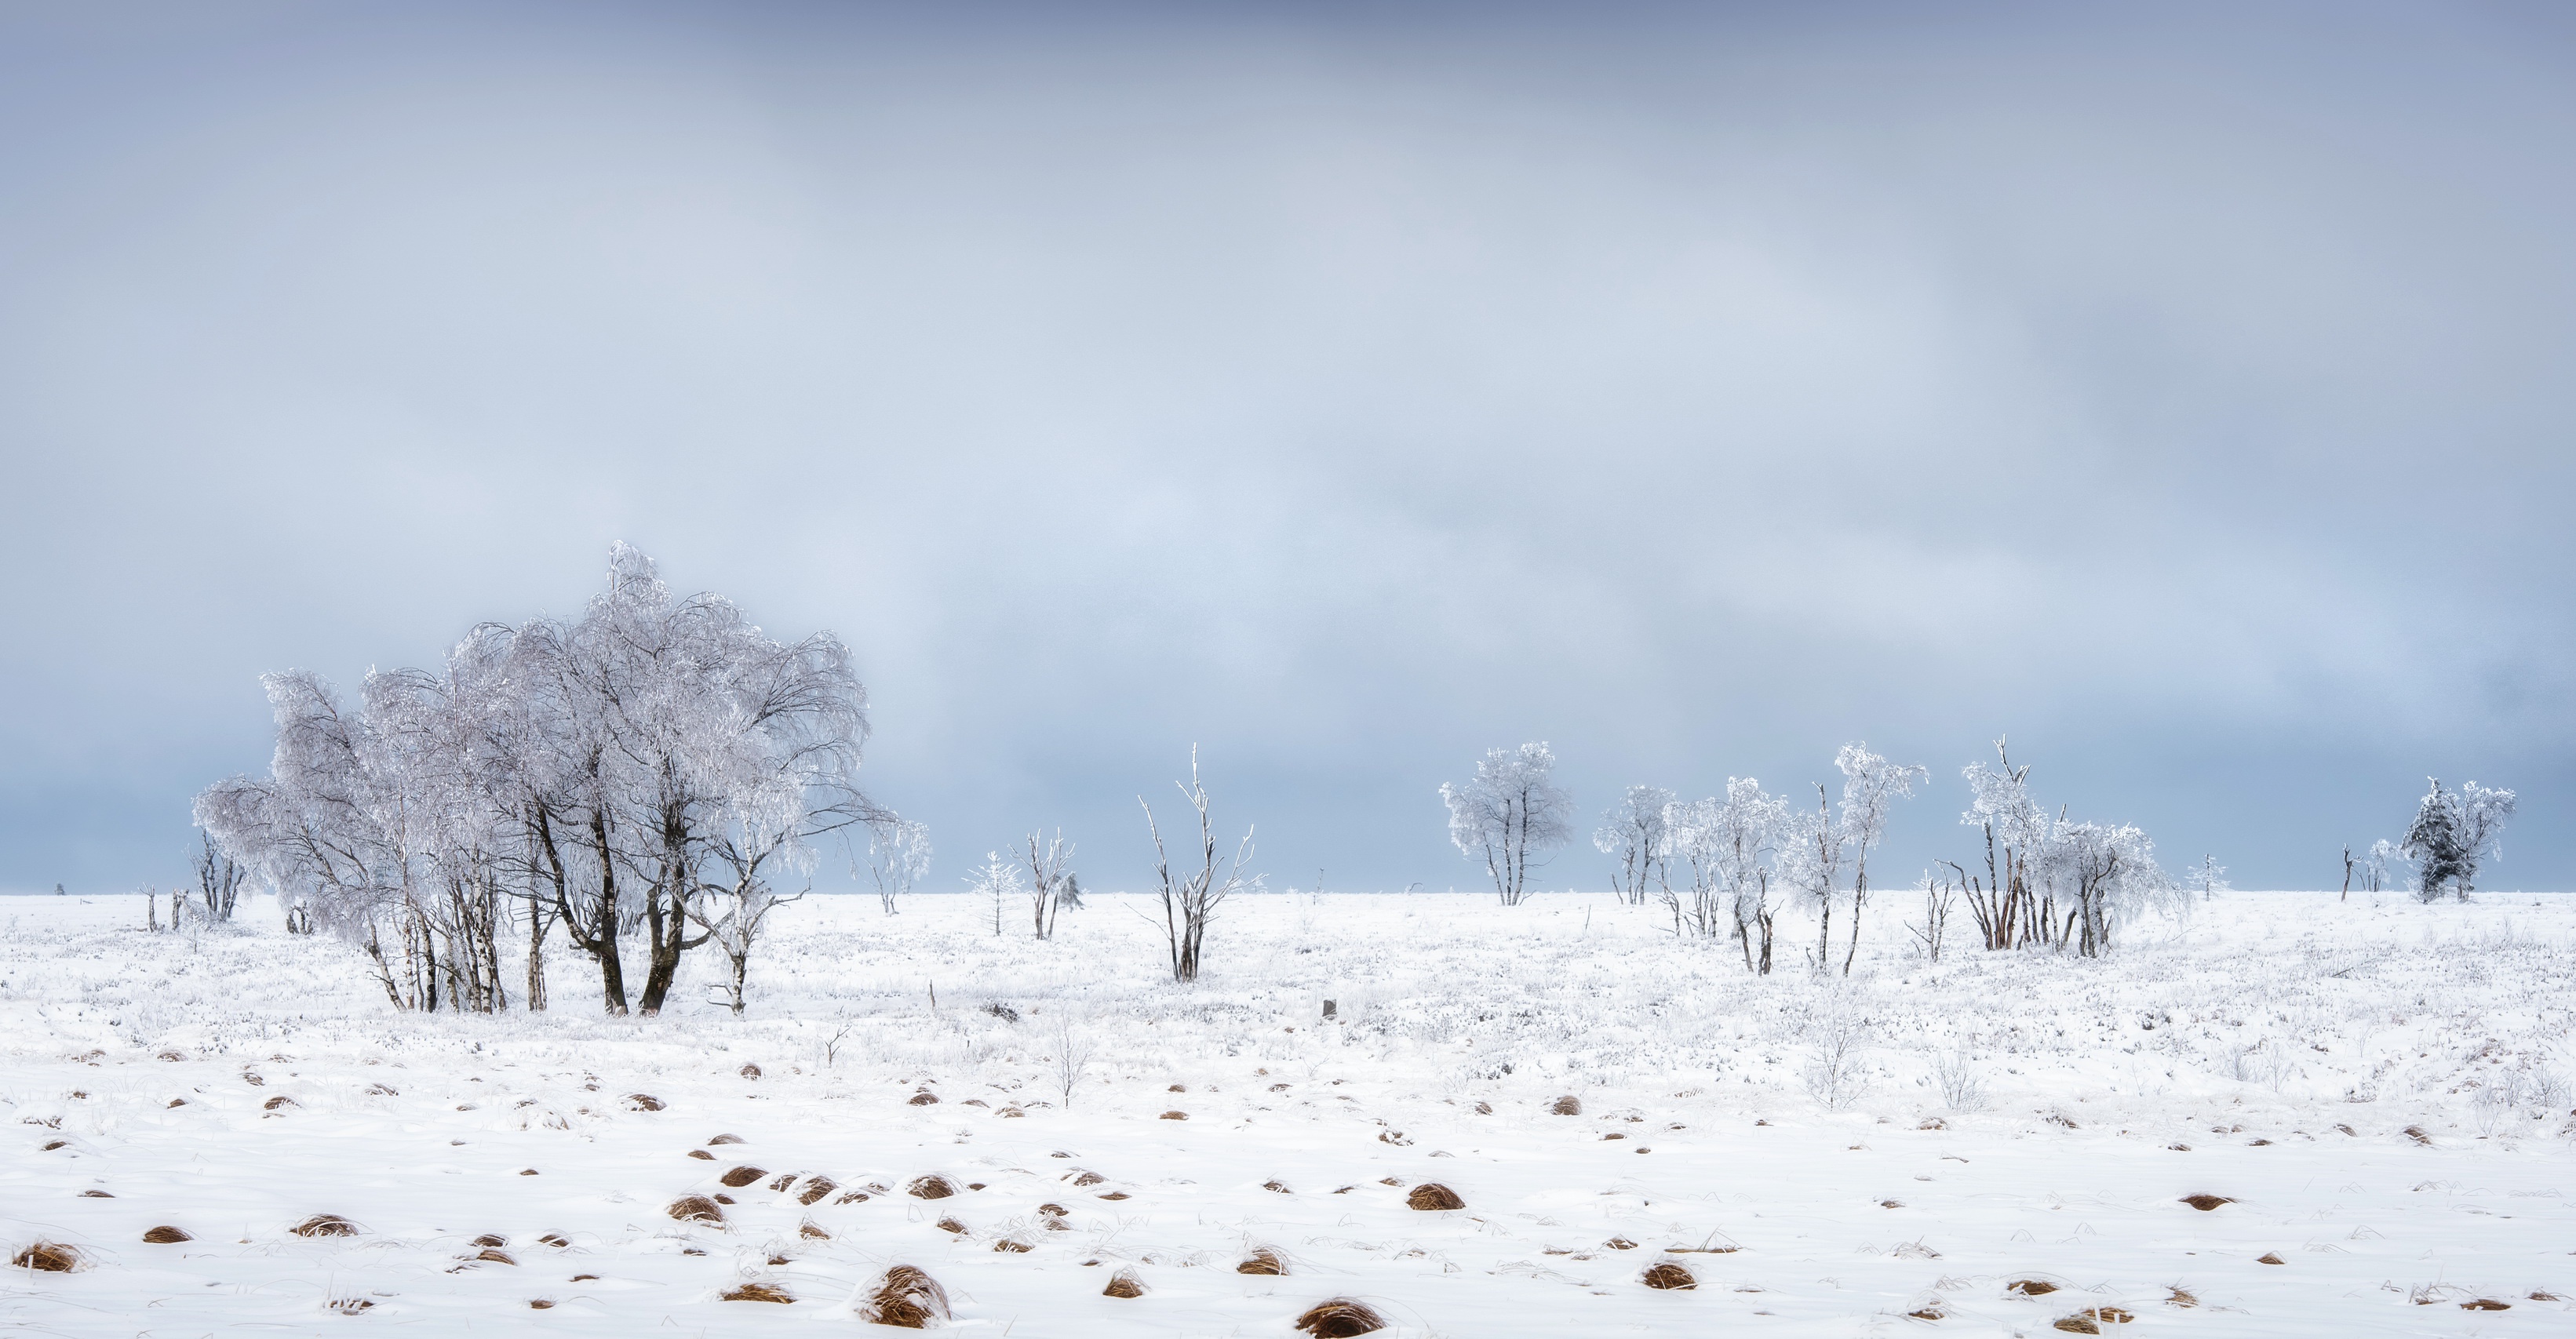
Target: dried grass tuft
1115	1195
325	1225
491	1239
2486	1304
2416	1133
555	1239
854	1197
1174	1115
743	1175
750	1071
905	1298
1263	1260
1081	1178
1568	1105
1276	1188
931	1187
48	1257
1014	1246
541	1304
757	1292
2269	1258
2079	1323
1431	1195
166	1236
924	1098
702	1155
281	1100
495	1257
724	1139
696	1209
1620	1244
1930	1312
2031	1287
952	1225
783	1182
810	1228
2180	1297
1124	1284
2205	1203
1667	1274
349	1306
816	1187
1053	1210
1340	1318
643	1102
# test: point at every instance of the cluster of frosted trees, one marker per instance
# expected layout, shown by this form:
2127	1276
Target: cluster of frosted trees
1727	866
643	777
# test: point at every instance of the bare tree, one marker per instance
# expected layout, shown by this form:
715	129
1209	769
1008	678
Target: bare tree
1074	1048
1509	814
1047	879
1939	896
1811	862
997	879
731	917
1190	899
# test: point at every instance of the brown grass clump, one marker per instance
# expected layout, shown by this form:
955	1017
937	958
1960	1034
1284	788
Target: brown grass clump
757	1292
96	1195
924	1098
2205	1203
816	1187
1115	1195
541	1304
1014	1246
905	1298
854	1197
1431	1195
1277	1189
166	1236
495	1257
52	1144
702	1155
724	1139
2416	1133
1263	1260
1124	1284
1667	1274
1053	1210
1620	1244
1340	1318
1174	1115
2031	1287
931	1187
814	1230
2079	1323
696	1209
1081	1178
2269	1258
325	1225
1568	1105
349	1306
491	1239
952	1225
50	1257
783	1182
2099	1316
2547	1297
2486	1304
555	1239
644	1102
724	1198
743	1175
2180	1297
750	1071
281	1100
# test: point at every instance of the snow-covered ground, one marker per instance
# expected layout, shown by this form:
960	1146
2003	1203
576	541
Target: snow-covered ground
2274	1049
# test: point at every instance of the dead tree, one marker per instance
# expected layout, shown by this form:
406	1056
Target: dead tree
1190	899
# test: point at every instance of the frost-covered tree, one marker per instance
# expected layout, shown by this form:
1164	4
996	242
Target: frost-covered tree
1810	861
898	857
2050	882
998	880
1047	876
603	772
219	880
2483	813
1727	846
1634	833
2436	843
2380	867
2209	877
1509	815
1192	895
1871	786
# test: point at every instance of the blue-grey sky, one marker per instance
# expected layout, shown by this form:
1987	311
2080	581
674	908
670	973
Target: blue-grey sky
2184	391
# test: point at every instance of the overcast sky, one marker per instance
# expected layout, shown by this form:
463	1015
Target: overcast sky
1345	389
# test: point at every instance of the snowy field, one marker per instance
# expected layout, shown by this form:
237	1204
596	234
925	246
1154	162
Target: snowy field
1821	1157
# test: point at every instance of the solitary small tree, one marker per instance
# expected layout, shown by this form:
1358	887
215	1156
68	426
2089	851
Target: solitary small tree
219	880
2207	877
1190	898
1047	879
1509	814
2483	811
